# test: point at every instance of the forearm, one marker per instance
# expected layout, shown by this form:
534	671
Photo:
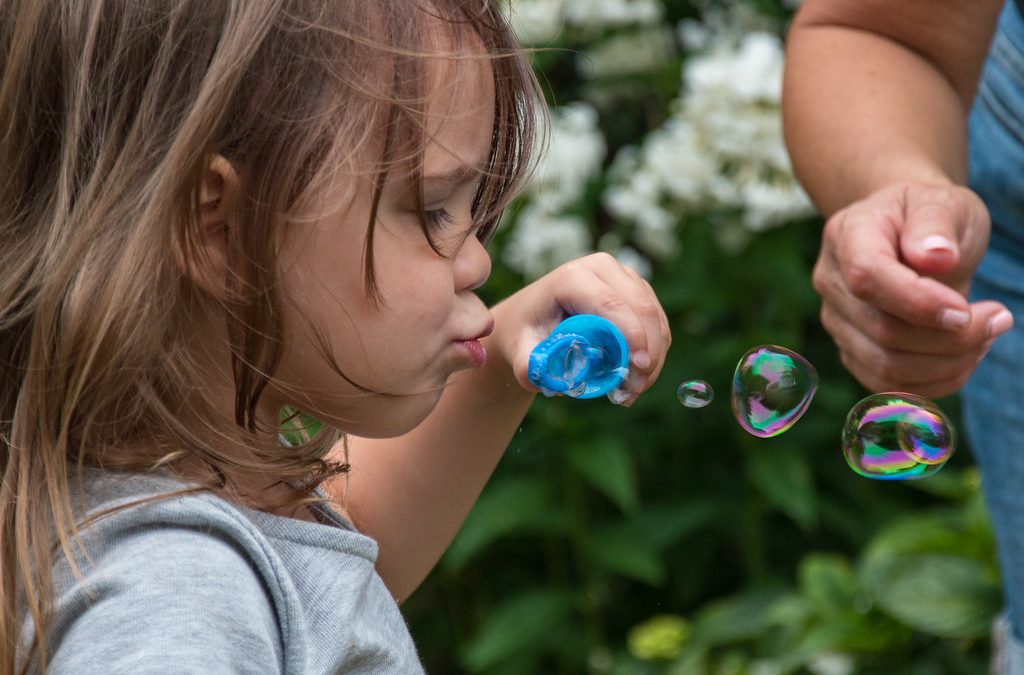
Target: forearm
868	104
412	493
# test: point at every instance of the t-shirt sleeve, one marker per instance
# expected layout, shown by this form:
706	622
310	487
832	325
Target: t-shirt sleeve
167	600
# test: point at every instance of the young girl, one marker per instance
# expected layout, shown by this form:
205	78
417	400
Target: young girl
213	212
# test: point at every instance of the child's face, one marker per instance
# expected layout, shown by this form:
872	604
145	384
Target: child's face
429	320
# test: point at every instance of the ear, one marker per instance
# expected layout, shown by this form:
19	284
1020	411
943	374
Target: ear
204	260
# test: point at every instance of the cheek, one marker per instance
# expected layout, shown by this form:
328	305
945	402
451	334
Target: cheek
417	285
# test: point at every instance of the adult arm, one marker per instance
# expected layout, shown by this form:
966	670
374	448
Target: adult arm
412	493
875	102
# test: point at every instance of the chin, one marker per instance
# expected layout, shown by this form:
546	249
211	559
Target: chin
389	418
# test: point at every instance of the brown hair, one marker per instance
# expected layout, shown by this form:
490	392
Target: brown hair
110	113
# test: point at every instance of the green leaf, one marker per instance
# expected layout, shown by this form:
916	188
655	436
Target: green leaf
791	610
940	594
607	464
783	477
659	637
666	524
523	504
933	571
829	582
517	624
692	661
624	549
935	532
737	618
851	632
949	483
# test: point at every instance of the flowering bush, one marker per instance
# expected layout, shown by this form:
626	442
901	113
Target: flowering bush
658	539
718	151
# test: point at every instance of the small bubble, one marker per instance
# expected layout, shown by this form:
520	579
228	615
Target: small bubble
771	389
695	394
897	436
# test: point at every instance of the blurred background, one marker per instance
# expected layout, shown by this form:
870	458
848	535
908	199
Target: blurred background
662	539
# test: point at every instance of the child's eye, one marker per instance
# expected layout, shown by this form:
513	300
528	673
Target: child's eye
438	218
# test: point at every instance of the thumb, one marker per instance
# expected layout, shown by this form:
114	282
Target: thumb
929	238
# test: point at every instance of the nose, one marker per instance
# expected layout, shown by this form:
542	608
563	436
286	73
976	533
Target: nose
472	265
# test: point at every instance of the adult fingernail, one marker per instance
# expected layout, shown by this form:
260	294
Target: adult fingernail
641	359
936	243
954	318
637	382
1000	323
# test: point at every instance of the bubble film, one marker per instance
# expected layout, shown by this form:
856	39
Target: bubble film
695	394
574	364
771	389
897	436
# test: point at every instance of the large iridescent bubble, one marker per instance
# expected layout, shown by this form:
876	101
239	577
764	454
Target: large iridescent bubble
771	389
897	436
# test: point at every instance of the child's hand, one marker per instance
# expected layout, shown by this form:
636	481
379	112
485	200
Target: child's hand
596	284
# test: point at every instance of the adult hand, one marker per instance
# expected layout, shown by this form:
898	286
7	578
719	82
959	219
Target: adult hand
595	284
893	274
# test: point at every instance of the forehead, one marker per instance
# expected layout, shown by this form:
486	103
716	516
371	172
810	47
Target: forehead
459	105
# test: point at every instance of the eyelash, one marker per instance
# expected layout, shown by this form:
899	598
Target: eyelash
438	218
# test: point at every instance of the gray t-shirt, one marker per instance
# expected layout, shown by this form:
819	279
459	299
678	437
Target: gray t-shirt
197	584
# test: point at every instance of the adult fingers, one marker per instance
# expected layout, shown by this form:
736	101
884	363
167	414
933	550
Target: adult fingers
988	320
863	259
881	369
944	232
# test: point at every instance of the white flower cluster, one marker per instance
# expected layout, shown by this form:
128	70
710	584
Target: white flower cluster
720	153
721	149
540	21
547	234
573	156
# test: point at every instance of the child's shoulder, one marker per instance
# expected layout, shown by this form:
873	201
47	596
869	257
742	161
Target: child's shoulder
115	508
158	530
122	504
178	575
194	576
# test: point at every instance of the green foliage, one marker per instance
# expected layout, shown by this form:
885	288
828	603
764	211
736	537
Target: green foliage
659	539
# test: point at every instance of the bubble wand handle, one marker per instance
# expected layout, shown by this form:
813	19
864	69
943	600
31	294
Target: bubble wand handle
585	356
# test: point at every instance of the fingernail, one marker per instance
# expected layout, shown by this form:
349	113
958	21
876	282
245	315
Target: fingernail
641	359
619	396
637	382
1000	323
954	318
936	243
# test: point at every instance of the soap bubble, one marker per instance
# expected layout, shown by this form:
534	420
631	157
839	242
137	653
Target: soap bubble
771	389
897	436
695	394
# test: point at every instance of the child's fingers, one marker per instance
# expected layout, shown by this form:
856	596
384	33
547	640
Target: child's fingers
644	370
660	336
599	284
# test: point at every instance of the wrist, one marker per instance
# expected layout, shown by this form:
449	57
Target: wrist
890	173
